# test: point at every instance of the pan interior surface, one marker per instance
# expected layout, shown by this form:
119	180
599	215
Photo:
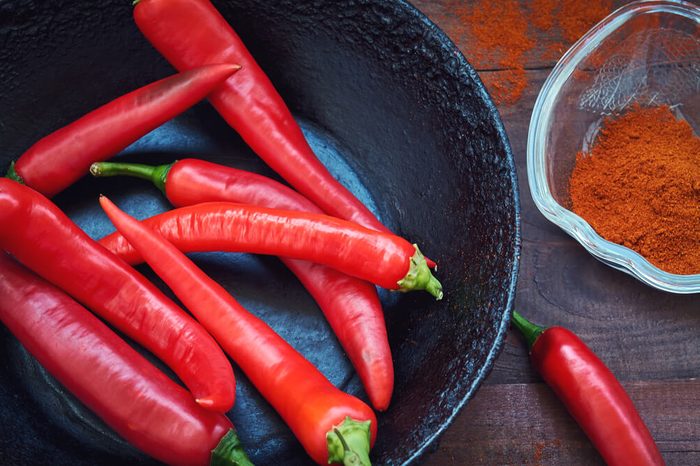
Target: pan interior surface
395	112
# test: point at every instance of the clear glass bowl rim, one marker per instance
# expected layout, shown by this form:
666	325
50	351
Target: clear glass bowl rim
615	255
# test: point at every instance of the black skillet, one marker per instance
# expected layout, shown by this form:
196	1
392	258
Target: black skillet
394	110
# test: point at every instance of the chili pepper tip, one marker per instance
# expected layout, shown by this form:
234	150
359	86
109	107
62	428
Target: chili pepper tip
206	403
157	174
419	277
529	330
230	452
349	443
12	173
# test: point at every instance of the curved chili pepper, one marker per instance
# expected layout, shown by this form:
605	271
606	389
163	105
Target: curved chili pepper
64	156
351	306
138	401
40	236
592	395
310	405
381	258
191	33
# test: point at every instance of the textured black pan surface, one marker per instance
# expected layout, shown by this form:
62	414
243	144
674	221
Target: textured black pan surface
394	110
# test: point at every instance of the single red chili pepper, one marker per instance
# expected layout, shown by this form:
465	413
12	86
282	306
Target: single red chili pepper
138	401
591	393
310	405
248	102
380	258
351	306
40	236
64	156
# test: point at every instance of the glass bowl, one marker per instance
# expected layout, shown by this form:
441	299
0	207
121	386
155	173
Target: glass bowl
645	53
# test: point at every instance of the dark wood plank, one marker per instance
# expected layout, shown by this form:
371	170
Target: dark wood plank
525	424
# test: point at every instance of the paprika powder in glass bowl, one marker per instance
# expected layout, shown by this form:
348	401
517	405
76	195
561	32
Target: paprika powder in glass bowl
613	151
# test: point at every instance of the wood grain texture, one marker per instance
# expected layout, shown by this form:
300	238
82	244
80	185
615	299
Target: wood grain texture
526	424
648	338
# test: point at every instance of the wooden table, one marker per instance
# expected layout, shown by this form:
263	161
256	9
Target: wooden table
648	338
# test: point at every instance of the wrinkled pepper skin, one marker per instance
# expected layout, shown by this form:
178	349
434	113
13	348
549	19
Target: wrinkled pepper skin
46	241
139	402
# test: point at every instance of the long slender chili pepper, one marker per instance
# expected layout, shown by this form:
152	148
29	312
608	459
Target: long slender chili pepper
139	402
310	405
40	236
592	395
247	101
381	258
351	306
64	156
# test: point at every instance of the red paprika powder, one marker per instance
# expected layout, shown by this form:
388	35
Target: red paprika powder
498	37
639	186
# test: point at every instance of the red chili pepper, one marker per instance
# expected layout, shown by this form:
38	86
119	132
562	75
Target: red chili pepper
40	236
310	405
191	33
381	258
592	395
351	306
64	156
139	402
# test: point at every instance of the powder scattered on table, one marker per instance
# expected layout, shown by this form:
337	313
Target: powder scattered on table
576	17
500	30
639	186
500	34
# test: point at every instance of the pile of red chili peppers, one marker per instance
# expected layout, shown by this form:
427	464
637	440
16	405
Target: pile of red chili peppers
59	274
57	269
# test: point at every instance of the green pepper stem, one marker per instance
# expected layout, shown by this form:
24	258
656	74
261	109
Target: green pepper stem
349	443
156	174
229	452
419	277
13	175
529	330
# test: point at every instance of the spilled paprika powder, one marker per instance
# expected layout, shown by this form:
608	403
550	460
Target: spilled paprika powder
639	186
498	36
